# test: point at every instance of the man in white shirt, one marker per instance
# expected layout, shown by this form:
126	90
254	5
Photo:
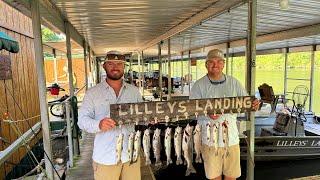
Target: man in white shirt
94	117
221	157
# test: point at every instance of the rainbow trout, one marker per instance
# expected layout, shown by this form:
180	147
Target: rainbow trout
167	145
177	144
146	144
187	149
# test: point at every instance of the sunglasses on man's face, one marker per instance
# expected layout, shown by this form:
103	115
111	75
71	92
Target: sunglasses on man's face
115	57
115	64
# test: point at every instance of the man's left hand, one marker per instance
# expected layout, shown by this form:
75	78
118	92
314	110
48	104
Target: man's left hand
214	116
255	104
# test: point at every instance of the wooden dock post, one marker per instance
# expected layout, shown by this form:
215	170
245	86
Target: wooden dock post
250	84
36	24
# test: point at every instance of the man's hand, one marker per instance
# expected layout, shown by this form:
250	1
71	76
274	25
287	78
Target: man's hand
255	104
214	117
152	122
106	124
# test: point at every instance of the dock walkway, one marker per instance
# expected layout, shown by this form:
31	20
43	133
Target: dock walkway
83	165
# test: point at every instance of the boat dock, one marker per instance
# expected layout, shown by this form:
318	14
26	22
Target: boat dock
83	165
49	47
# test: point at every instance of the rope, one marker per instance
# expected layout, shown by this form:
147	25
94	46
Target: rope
23	120
39	166
18	132
6	88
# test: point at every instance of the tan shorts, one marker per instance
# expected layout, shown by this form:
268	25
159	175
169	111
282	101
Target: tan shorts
217	164
125	171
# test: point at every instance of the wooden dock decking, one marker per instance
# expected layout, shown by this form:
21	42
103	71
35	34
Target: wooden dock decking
83	165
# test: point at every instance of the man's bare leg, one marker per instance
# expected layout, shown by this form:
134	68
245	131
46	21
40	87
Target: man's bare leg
229	178
217	178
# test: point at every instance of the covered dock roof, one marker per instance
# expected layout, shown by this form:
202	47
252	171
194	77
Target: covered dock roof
132	26
61	48
193	27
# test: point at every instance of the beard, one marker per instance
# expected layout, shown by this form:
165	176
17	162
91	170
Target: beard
114	77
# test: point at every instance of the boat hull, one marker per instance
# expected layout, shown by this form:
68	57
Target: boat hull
282	148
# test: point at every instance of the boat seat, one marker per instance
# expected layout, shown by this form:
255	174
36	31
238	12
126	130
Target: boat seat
271	132
284	125
267	96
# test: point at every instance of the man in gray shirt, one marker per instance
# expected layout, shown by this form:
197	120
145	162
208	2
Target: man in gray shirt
221	157
94	117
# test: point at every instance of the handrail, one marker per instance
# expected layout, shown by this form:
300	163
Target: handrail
27	136
75	93
67	99
70	123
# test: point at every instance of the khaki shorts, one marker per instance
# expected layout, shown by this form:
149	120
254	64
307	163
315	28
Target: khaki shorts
217	164
125	171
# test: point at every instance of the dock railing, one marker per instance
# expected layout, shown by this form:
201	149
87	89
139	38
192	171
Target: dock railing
70	120
22	140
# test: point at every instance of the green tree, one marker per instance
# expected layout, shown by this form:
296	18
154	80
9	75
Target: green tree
50	36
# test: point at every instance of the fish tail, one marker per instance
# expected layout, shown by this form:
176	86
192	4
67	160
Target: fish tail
179	161
198	159
190	170
169	161
158	162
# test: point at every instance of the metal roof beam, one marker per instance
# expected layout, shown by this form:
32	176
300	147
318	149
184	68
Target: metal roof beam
259	52
282	35
59	21
215	9
304	31
52	18
306	48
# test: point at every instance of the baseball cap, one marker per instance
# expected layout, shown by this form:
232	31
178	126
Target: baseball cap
215	53
115	56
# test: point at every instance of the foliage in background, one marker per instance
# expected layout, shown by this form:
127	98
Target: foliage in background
50	36
276	61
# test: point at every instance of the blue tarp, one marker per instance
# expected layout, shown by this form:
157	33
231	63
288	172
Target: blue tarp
8	43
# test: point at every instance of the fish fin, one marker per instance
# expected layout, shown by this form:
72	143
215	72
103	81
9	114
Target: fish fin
190	170
193	170
198	159
179	161
148	161
169	161
158	163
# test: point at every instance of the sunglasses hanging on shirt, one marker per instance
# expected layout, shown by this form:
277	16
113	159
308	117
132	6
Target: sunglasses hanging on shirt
217	82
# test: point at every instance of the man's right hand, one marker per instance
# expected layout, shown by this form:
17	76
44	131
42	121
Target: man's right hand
106	124
214	116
